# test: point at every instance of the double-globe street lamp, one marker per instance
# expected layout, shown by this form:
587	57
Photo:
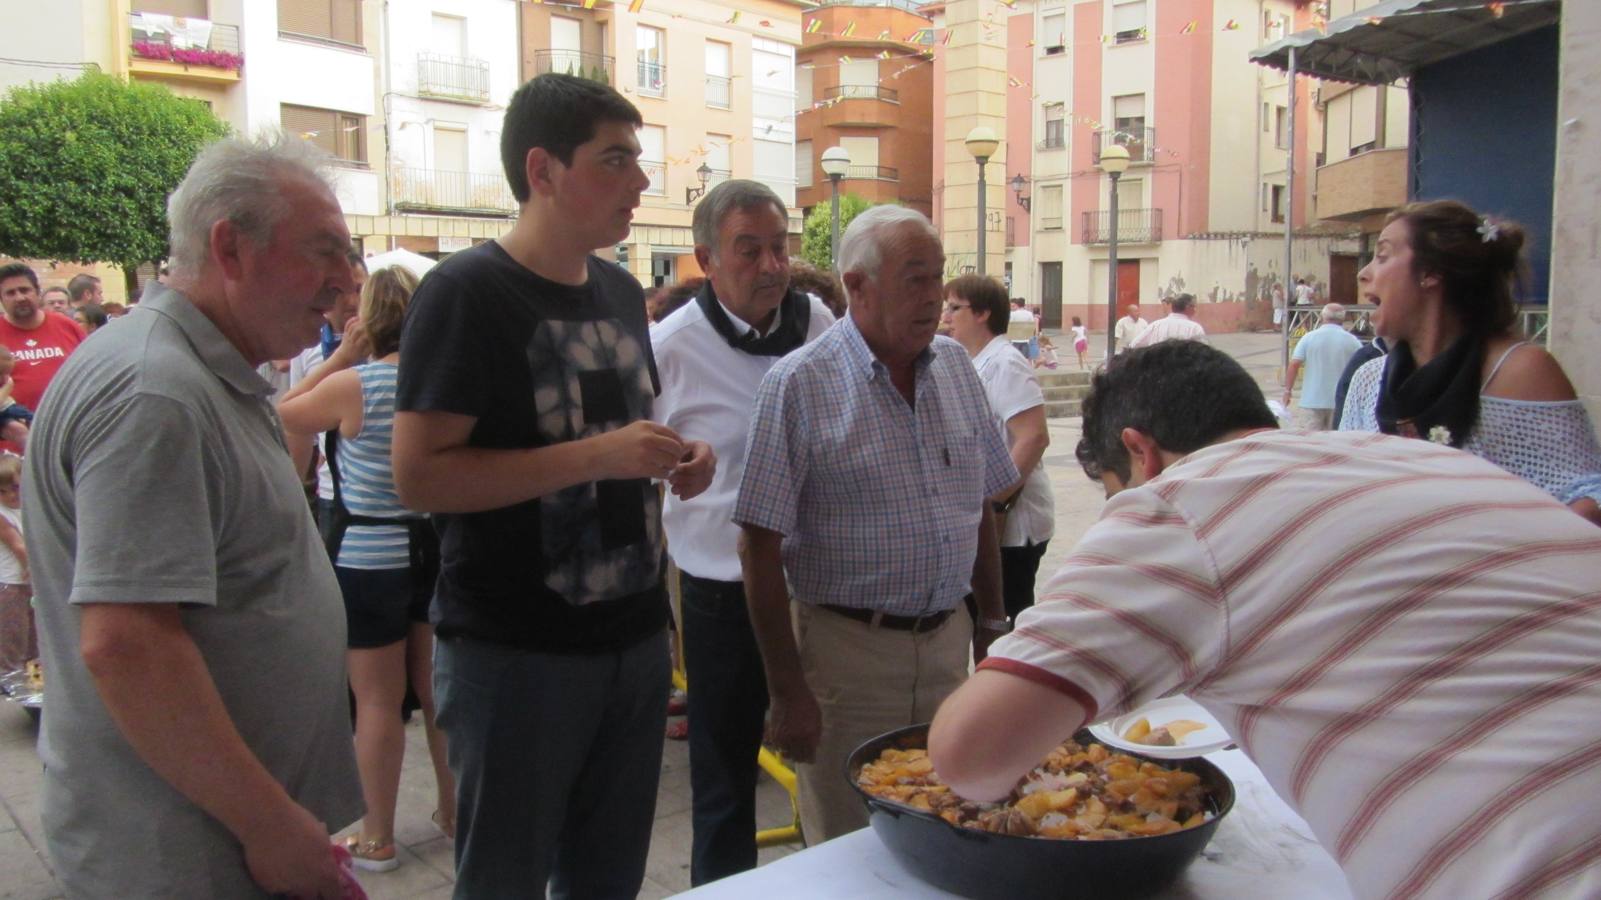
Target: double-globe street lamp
981	142
1114	162
836	162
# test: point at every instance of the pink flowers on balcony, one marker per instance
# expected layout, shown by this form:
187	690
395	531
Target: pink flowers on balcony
217	59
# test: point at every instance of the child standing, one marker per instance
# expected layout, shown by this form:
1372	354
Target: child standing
1081	340
18	643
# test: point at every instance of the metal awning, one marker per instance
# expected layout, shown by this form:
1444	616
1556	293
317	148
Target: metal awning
1389	41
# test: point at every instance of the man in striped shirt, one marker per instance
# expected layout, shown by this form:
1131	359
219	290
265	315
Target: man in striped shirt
872	451
1402	636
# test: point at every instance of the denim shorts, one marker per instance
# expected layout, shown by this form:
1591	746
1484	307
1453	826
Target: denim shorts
381	605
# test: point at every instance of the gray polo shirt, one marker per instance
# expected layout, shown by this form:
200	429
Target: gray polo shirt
158	474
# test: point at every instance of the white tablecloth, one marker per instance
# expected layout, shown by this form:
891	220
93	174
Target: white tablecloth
1262	849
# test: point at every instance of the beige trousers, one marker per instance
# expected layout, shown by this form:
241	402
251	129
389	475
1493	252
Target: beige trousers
867	681
1313	419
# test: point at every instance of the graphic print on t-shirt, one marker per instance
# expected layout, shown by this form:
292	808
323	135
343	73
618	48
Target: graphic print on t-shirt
601	540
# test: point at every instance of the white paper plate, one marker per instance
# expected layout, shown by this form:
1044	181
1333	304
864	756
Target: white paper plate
1159	713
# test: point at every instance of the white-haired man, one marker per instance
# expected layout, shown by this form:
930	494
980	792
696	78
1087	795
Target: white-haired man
872	452
1324	353
198	741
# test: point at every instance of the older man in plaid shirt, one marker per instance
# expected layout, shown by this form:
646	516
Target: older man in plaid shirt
872	451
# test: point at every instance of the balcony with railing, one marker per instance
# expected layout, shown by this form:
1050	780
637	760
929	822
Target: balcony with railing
719	91
872	173
434	190
1140	142
652	79
462	79
594	66
861	92
183	48
1134	226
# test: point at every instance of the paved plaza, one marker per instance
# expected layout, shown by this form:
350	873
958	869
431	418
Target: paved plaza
425	870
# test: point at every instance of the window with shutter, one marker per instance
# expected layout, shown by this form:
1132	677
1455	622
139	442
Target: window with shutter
341	135
334	20
193	9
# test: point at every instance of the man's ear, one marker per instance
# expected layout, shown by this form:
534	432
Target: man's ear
224	246
537	170
853	282
703	256
1145	457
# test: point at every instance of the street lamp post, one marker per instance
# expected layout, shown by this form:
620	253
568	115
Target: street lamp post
1114	162
836	162
981	142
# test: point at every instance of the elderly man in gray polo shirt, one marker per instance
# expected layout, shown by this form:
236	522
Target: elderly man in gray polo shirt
197	741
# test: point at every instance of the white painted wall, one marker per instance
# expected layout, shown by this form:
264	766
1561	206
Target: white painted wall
55	33
286	70
1575	259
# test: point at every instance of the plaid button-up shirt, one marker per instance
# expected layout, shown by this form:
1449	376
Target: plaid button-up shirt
879	502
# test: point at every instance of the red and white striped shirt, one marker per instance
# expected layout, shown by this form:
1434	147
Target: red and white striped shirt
1405	638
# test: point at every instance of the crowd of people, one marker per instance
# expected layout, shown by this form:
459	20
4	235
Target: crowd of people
510	455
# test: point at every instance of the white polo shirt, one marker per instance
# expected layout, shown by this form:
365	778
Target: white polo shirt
1011	388
708	391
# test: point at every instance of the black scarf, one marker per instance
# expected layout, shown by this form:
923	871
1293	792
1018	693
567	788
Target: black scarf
1414	399
794	319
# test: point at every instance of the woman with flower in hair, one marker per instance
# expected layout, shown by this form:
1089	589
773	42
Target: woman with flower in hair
1459	372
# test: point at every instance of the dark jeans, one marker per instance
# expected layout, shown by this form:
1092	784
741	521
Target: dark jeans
727	703
1019	565
556	761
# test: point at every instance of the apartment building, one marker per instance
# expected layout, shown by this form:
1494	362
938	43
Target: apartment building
715	84
864	82
1362	166
448	70
1202	206
307	66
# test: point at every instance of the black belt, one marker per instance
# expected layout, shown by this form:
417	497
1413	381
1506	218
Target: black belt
885	620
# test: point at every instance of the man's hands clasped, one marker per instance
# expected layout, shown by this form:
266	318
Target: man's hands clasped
648	450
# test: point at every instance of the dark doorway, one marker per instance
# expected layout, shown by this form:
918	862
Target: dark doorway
1050	295
1342	278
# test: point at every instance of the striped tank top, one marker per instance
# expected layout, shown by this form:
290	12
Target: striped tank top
366	479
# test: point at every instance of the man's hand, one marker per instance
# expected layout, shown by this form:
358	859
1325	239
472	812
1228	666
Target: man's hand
982	638
295	858
354	347
640	450
795	724
694	472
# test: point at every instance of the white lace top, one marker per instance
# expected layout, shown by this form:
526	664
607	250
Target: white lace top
1551	443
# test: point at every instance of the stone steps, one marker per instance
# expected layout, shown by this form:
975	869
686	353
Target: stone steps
1064	391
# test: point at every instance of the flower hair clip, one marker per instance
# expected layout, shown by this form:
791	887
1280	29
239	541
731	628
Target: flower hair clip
1440	434
1488	230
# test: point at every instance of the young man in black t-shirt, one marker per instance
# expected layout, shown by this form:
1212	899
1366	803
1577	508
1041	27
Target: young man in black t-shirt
525	388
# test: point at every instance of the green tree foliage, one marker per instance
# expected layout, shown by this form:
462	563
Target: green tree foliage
816	236
86	167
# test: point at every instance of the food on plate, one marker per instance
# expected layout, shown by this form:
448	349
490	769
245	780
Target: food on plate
1080	792
1169	735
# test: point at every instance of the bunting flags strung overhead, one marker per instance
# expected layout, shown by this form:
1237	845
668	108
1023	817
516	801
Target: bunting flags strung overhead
634	6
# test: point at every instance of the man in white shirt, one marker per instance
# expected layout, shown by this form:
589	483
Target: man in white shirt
1420	688
1022	329
304	448
1175	326
711	354
1303	292
1324	353
1130	327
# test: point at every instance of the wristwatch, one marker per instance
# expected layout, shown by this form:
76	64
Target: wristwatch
999	625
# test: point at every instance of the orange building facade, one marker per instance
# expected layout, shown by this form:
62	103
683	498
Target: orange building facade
860	86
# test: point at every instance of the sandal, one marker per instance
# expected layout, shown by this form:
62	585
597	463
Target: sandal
371	856
446	827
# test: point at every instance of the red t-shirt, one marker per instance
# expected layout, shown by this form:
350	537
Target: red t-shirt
39	352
